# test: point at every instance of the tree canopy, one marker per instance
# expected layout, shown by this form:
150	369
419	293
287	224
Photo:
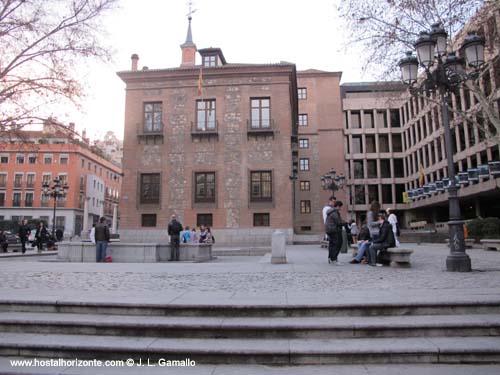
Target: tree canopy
42	42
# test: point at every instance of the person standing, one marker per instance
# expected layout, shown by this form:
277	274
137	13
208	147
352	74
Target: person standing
24	232
333	228
328	207
101	234
174	231
41	236
393	220
3	241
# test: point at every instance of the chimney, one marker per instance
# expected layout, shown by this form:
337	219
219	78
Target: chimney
135	61
188	48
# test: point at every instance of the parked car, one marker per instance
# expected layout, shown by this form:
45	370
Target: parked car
12	238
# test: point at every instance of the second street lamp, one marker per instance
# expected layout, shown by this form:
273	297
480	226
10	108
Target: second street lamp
56	191
443	73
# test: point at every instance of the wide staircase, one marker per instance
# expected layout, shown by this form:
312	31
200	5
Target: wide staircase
368	333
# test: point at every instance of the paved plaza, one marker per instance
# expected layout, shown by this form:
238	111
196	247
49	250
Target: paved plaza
307	279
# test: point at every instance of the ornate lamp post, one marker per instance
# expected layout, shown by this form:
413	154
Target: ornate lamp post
444	72
330	181
56	191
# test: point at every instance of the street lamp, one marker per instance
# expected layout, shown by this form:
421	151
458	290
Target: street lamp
444	71
56	191
330	181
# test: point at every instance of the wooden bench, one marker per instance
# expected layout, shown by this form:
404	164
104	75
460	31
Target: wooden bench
469	242
396	257
491	244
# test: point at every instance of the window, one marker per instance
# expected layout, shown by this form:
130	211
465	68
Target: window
83	163
63	159
373	193
148	220
302	93
397	144
370	143
261	113
204	187
303	120
47	159
304	143
385	168
368	120
261	220
20	159
28	200
2	199
3	179
205	114
4	159
16	200
387	194
304	164
210	60
32	159
261	186
305	207
359	194
63	179
46	179
305	185
358	169
150	188
395	119
371	169
383	143
18	180
152	117
357	145
30	180
382	119
204	219
60	222
355	120
398	168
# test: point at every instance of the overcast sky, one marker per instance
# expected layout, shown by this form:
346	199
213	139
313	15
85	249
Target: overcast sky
306	33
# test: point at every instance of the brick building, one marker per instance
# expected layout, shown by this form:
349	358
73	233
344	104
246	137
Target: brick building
219	154
34	158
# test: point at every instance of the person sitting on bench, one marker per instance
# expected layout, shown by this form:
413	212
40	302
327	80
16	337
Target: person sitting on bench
383	242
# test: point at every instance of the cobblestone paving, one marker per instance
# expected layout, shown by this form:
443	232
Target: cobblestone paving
306	271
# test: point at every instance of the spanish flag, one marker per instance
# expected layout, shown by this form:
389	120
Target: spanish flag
200	82
421	176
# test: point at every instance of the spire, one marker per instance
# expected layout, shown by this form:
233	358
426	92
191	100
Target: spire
189	48
189	36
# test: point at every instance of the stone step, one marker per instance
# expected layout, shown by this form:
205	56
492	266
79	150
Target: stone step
265	351
158	368
220	327
339	308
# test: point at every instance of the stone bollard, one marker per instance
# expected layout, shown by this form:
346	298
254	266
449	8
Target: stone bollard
278	242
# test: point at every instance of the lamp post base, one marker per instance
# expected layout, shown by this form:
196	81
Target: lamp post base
458	263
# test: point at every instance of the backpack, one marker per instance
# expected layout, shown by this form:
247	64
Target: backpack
330	223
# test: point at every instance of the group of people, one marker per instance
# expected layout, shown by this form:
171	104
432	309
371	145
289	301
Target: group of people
378	232
188	235
41	239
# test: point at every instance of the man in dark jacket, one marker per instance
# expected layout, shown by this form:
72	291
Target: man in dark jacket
101	239
333	228
174	231
24	232
383	242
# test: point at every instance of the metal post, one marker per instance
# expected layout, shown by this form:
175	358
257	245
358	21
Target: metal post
54	194
458	260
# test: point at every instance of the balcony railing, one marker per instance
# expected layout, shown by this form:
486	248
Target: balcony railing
207	129
61	203
18	184
147	134
261	127
28	204
16	203
44	203
30	185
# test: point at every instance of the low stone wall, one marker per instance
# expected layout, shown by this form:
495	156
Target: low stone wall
122	252
223	237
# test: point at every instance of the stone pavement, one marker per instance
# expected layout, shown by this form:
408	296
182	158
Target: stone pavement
307	278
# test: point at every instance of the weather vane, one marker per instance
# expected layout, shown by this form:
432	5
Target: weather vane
191	10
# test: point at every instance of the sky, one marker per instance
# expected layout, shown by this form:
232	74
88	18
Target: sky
307	33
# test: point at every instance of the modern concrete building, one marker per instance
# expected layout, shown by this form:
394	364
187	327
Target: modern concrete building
34	158
212	143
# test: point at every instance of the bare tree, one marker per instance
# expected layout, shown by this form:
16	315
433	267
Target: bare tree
42	42
385	29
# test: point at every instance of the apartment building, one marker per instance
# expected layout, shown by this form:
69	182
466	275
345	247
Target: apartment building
36	158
